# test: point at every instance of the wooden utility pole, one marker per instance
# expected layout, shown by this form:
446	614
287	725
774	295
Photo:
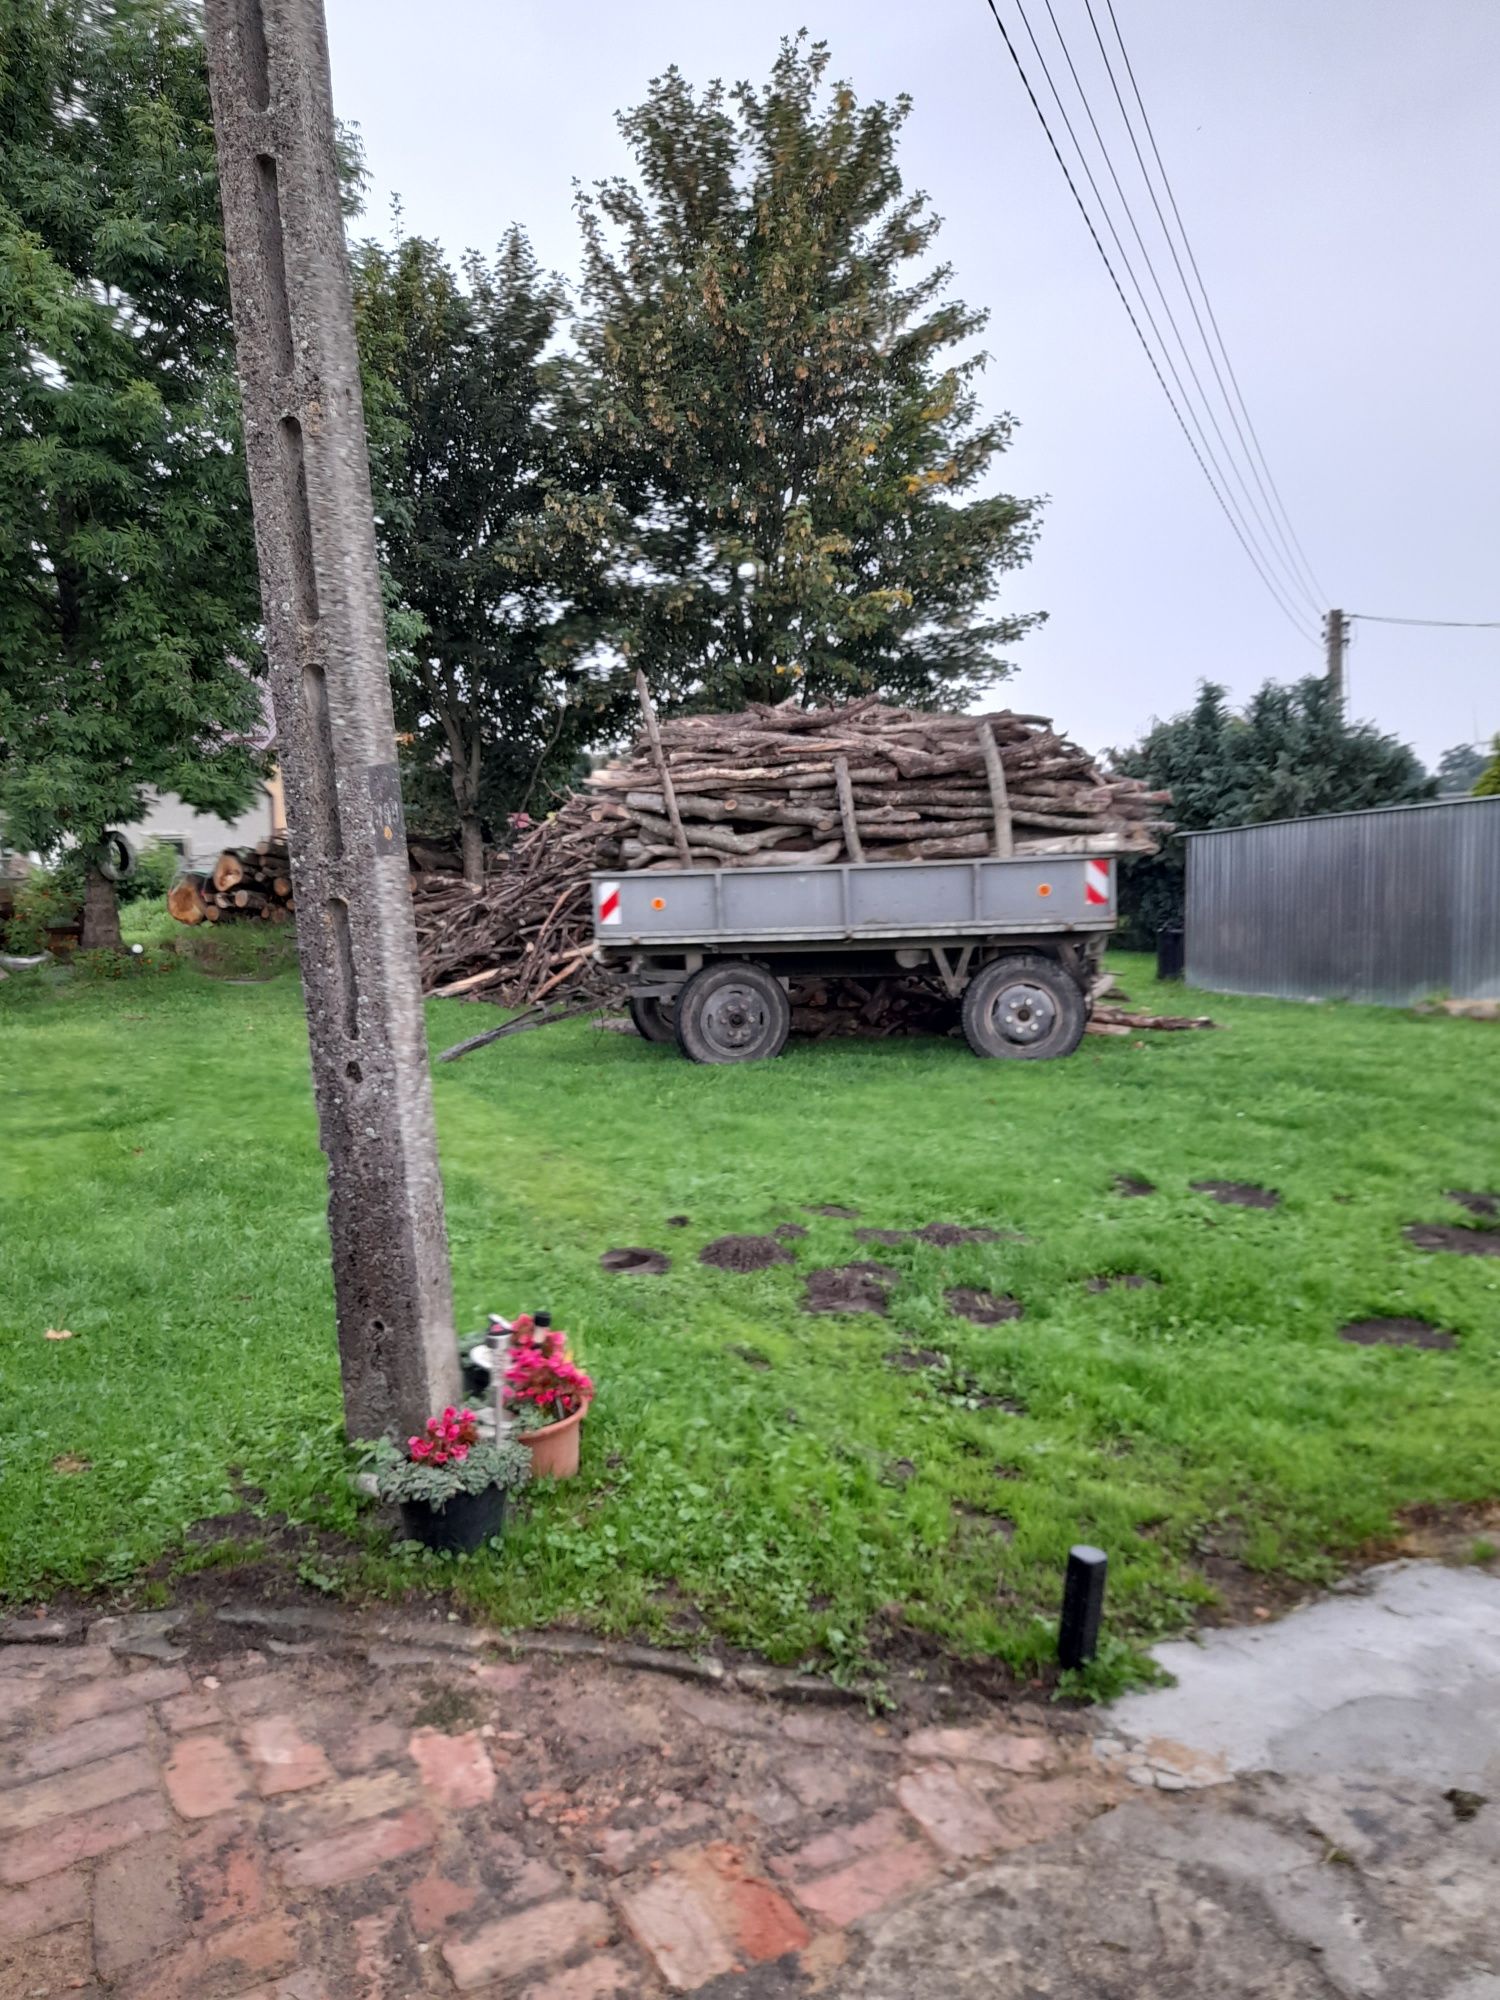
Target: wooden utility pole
1336	641
330	687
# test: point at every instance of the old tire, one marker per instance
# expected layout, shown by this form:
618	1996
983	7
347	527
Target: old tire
732	1013
652	1019
1025	1008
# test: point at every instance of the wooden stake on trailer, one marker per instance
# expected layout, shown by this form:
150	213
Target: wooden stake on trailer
846	809
994	770
669	795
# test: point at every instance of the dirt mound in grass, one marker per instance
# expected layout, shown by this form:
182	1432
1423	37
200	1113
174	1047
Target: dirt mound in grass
744	1253
1474	1202
1124	1281
1239	1194
1396	1333
678	1221
789	1231
851	1288
1132	1184
833	1208
1447	1236
909	1358
983	1308
637	1260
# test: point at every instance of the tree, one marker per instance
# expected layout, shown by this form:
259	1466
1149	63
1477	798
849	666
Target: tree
128	603
1459	770
1487	785
487	544
1292	754
782	406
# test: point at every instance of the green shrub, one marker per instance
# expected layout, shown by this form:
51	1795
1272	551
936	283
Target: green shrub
43	900
157	867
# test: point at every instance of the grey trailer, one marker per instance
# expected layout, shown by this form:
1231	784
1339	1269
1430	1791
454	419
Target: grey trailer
709	953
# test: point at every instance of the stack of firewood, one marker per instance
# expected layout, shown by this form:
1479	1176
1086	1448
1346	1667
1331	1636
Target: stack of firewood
794	787
772	786
244	884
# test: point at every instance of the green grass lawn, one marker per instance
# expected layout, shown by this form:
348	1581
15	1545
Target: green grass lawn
161	1196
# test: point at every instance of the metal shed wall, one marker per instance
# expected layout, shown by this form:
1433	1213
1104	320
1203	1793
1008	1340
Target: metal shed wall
1386	905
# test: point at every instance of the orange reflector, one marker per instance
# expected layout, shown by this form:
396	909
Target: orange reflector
1044	888
658	902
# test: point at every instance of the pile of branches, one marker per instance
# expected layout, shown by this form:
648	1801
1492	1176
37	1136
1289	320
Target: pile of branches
528	932
771	786
245	884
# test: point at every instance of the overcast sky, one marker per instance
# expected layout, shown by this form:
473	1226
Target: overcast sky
1336	166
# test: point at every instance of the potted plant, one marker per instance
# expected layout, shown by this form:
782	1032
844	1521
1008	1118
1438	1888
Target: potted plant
450	1483
547	1394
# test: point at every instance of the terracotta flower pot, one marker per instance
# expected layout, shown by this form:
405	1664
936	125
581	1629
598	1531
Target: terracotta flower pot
554	1449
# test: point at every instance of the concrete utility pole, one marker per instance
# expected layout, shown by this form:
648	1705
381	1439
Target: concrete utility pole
1336	641
325	638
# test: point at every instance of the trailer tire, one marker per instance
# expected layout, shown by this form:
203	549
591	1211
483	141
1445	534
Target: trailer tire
652	1019
1025	1008
732	1012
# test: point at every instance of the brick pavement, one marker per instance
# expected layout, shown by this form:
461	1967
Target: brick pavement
298	1824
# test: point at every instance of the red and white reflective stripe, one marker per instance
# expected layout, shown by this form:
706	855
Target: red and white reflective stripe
1096	881
609	902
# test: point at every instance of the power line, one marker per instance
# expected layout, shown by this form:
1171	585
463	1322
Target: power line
1454	624
1146	348
1265	522
1213	320
1226	499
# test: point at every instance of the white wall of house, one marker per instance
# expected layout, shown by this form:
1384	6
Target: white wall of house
202	836
199	837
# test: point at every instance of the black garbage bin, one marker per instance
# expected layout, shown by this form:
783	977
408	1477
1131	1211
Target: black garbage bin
1170	952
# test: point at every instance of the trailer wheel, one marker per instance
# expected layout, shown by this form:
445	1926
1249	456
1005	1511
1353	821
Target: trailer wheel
1026	1008
652	1019
732	1013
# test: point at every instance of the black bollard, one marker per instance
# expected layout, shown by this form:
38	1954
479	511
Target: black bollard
1082	1606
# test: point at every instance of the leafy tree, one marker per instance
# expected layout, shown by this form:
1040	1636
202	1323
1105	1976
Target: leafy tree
483	533
1292	754
128	600
1459	769
1487	785
783	404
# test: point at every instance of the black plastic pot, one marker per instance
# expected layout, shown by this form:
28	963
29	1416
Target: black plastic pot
1170	952
460	1525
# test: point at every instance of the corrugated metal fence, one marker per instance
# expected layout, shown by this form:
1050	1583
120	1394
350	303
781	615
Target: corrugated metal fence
1386	905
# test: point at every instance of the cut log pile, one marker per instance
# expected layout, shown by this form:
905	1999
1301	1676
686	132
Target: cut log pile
771	786
245	884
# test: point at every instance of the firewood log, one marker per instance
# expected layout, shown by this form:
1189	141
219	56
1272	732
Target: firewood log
185	901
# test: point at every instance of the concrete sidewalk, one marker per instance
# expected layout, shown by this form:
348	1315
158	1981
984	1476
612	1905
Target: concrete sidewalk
1317	1814
368	1814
